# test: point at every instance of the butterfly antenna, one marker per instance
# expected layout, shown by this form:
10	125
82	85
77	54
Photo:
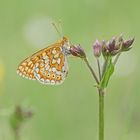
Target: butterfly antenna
56	28
60	26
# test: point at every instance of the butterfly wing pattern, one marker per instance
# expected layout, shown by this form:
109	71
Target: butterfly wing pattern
49	65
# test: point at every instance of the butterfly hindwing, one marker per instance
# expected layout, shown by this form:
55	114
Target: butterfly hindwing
51	72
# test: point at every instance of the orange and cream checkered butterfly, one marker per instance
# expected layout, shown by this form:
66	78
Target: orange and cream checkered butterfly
49	65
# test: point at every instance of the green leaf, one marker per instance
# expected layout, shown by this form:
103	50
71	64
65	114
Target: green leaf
109	71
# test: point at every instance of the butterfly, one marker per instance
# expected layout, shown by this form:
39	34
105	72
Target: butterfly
49	65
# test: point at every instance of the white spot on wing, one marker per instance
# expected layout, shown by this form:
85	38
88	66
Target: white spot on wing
52	82
63	68
58	60
47	66
63	75
42	80
46	61
36	70
50	70
37	76
53	51
53	69
20	73
53	61
58	72
45	57
47	81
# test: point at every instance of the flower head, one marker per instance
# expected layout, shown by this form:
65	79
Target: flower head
127	44
77	51
97	48
111	47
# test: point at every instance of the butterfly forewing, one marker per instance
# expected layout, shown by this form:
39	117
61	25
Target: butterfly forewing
48	66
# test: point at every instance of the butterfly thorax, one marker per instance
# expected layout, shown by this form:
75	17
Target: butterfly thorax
65	46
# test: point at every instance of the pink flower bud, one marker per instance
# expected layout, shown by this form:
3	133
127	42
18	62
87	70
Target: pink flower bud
97	48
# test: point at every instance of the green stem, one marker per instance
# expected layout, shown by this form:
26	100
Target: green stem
101	103
17	137
105	66
91	70
101	114
99	69
116	59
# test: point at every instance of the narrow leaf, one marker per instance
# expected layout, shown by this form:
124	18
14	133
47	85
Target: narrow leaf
109	71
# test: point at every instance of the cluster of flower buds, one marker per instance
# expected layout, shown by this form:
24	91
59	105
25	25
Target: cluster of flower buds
107	48
112	47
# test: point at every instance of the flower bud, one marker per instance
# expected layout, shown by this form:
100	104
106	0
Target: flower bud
77	51
97	48
111	45
105	51
126	45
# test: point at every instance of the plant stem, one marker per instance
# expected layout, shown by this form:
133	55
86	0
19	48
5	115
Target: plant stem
101	114
92	71
99	69
101	103
105	66
16	134
116	59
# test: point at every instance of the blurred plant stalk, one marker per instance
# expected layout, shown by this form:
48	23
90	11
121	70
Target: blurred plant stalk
18	118
110	51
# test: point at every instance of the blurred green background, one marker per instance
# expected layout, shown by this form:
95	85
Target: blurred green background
69	111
